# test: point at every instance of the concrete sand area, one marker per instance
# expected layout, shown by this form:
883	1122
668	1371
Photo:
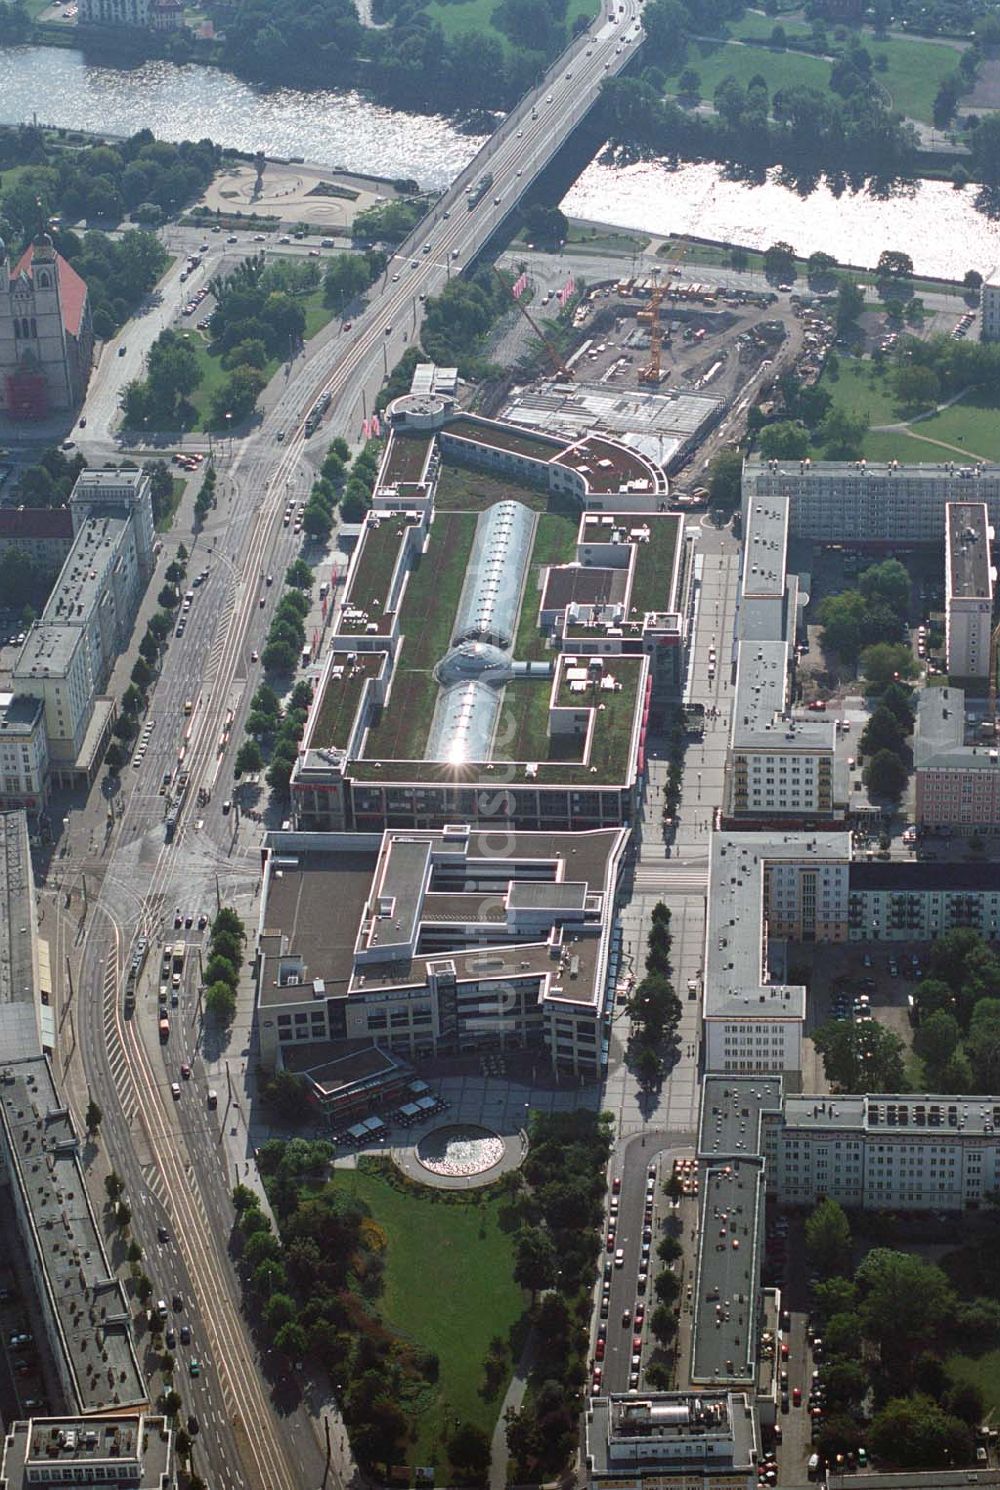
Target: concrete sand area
295	193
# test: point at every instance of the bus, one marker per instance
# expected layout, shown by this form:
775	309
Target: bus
177	962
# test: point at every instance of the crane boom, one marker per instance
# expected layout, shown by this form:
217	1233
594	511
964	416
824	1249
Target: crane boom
558	365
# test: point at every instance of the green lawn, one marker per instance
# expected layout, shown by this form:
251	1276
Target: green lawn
971	424
449	1288
213	374
465	16
860	388
555	543
166	519
982	1371
911	79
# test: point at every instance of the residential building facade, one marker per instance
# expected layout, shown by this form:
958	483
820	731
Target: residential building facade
957	775
24	753
42	534
884	1152
881	504
968	596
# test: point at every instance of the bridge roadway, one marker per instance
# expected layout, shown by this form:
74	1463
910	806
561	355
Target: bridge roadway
169	1153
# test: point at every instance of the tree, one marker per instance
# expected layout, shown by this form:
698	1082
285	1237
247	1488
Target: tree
94	1117
850	303
220	1002
545	227
227	919
843	618
916	387
888	1283
828	1238
114	1185
279	774
841	434
668	1249
885	775
666	1286
291	1340
148	648
936	1040
819	265
983	1043
725	475
882	732
842	1335
779	259
899	700
248	758
784	441
689	83
535	1260
114	757
915	1431
470	1454
895	265
861	1057
244	1199
648	1066
887	662
888	581
299	575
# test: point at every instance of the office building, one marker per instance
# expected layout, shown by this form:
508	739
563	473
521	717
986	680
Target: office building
46	336
594	469
989	306
884	1152
438	942
763	892
677	1440
24	753
533	707
43	534
153	15
957	769
968	595
874	504
79	1302
127	1449
67	656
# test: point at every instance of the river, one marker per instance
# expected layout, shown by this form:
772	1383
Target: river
939	226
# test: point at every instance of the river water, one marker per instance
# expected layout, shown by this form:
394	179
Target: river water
938	226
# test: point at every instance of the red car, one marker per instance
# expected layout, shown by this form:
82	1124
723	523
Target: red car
611	1241
616	1184
796	1396
784	1350
636	1342
640	1315
599	1350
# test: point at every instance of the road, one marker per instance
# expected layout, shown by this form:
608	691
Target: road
169	1152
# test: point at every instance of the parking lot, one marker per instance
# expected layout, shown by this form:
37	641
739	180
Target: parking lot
855	982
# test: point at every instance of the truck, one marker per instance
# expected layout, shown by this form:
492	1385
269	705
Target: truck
480	189
164	1028
307	653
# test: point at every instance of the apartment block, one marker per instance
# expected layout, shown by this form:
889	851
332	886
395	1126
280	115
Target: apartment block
968	595
779	770
989	304
24	753
43	534
68	654
957	775
124	1449
914	1152
764	891
916	902
877	503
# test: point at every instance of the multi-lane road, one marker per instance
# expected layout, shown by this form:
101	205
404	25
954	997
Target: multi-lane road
169	1152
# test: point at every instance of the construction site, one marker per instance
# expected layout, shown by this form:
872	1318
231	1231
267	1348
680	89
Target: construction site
658	362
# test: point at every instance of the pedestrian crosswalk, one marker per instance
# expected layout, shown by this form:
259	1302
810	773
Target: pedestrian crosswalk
670	879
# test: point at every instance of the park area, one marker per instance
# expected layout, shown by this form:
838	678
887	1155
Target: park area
968	429
909	79
449	1289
